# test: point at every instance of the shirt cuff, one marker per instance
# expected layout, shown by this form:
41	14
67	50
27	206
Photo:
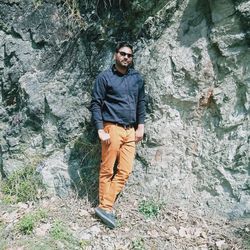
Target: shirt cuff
99	125
140	121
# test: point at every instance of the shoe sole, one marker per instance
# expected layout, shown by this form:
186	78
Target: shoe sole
105	219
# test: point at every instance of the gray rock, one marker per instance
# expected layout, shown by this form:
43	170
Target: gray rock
55	175
194	57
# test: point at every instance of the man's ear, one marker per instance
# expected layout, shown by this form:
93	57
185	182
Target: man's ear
114	56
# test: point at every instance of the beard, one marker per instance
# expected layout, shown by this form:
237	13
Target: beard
124	63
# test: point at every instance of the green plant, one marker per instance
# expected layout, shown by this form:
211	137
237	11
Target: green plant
59	232
22	185
8	199
28	222
149	208
138	244
26	225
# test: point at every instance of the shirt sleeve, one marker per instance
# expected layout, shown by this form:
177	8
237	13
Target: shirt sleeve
141	104
98	96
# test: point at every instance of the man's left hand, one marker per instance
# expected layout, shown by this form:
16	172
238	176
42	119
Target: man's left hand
139	133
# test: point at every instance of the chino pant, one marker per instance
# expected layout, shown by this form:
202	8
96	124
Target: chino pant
122	150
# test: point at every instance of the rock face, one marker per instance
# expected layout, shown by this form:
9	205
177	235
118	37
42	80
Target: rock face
194	56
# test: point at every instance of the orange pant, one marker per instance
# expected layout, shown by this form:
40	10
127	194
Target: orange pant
121	149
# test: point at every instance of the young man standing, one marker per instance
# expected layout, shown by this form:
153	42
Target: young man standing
118	111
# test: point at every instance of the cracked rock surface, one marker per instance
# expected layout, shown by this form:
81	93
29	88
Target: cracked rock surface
194	56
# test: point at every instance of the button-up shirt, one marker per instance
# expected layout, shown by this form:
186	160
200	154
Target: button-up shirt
118	98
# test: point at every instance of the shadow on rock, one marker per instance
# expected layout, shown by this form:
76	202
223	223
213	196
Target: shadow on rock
196	22
84	161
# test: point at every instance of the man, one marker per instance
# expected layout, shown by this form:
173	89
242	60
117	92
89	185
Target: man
118	111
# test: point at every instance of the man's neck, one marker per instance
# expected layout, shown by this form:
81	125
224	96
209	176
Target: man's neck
122	70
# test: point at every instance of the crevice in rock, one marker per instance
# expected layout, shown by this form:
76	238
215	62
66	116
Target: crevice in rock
48	115
36	45
9	30
215	53
2	88
10	3
67	54
149	104
10	86
210	113
226	184
1	164
244	18
222	131
190	29
15	34
7	58
90	36
33	121
203	187
241	161
240	107
143	161
10	96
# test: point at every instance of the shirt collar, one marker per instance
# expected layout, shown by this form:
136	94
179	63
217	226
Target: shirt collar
115	71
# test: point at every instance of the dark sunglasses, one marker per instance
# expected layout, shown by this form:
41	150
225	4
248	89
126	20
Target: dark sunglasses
125	54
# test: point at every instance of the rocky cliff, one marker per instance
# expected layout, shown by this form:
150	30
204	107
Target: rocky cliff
194	56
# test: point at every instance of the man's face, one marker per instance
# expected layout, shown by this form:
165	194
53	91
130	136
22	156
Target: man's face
124	57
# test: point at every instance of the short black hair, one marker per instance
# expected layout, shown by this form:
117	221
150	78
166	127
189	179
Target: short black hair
123	44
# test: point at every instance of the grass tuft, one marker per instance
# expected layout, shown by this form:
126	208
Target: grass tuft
138	244
22	185
149	208
60	232
27	223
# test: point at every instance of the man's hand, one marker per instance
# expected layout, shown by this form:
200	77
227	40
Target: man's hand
139	133
103	136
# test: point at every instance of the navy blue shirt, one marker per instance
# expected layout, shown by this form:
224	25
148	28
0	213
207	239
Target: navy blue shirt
118	98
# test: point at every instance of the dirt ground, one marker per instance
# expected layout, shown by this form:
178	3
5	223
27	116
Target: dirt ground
71	224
